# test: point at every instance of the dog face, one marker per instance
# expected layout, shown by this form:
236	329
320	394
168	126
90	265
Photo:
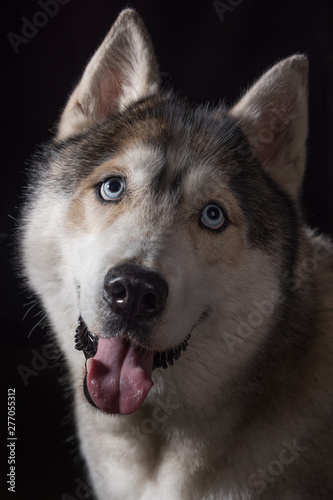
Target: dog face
156	221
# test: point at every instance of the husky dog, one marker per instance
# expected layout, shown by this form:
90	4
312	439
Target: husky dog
166	242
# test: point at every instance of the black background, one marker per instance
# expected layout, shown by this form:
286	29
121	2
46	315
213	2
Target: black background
203	57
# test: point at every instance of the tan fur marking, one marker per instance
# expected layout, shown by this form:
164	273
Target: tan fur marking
85	211
225	247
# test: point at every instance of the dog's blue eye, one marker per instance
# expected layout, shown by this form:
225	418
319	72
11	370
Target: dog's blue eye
213	217
112	189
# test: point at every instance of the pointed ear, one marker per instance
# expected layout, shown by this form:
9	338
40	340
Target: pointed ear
274	114
123	70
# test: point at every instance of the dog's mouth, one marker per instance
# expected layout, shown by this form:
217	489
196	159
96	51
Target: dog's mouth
118	370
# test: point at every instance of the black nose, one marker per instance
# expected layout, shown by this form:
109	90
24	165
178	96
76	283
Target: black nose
135	292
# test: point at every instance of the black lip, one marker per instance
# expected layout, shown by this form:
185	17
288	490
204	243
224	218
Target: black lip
86	392
163	358
85	340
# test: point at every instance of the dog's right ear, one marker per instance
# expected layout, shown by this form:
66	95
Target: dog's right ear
122	71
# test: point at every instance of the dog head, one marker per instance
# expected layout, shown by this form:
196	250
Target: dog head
156	221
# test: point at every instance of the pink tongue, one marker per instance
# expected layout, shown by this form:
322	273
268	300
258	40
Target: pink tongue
119	376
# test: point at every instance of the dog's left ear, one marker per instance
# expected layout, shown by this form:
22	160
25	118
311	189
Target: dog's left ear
274	114
123	70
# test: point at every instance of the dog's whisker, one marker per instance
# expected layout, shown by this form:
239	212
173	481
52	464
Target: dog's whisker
32	305
37	325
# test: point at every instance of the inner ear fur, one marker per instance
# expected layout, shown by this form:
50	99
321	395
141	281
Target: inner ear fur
274	115
123	70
